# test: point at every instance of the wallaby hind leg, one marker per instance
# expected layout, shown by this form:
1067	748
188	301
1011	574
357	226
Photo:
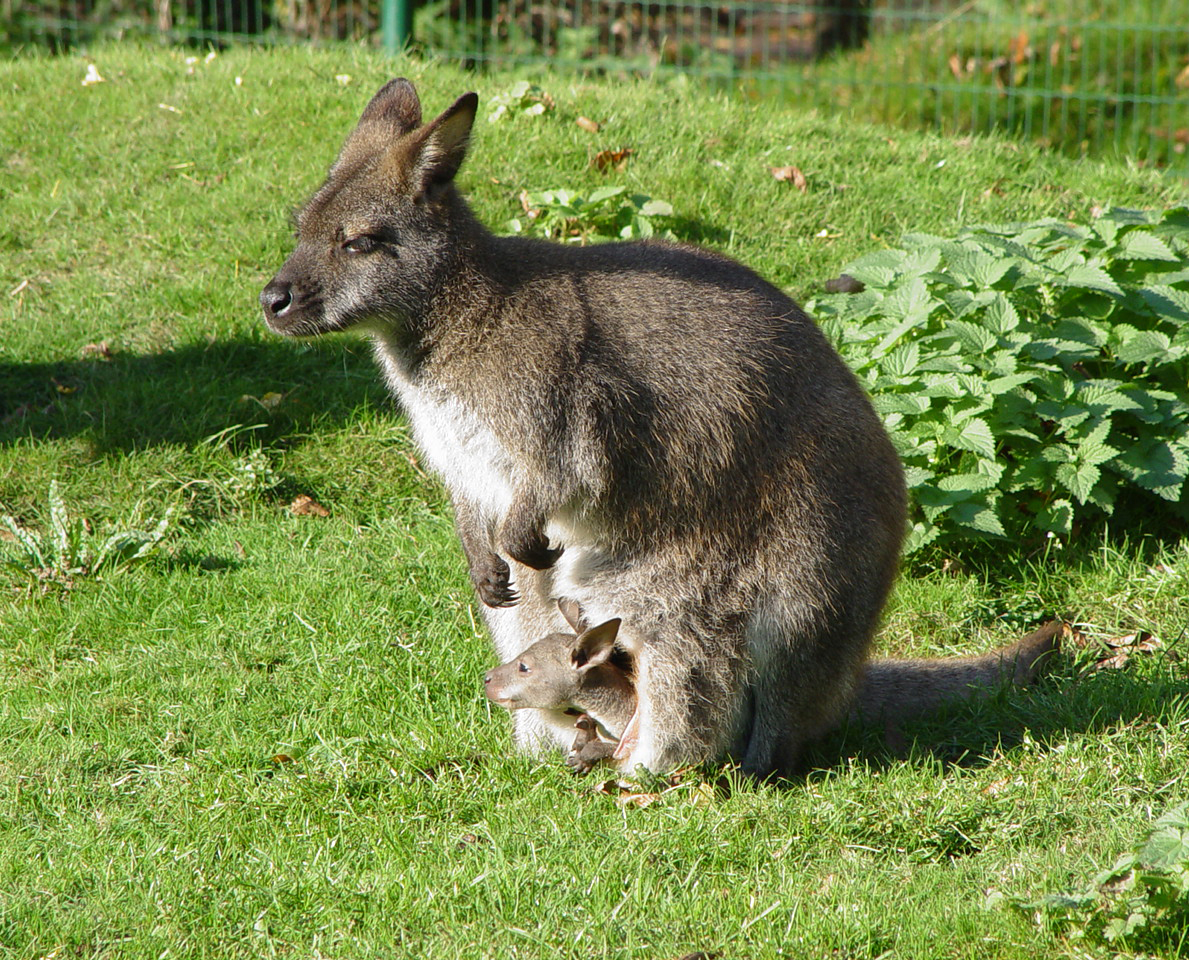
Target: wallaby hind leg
690	698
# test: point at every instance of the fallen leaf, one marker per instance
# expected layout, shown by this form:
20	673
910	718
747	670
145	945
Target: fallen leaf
991	789
1182	80
101	349
993	190
1020	48
590	126
280	758
956	66
791	175
62	387
616	160
304	505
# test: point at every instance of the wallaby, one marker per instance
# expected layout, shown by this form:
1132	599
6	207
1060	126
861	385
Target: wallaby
572	674
650	429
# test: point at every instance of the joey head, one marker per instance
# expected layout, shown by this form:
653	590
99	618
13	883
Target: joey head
574	674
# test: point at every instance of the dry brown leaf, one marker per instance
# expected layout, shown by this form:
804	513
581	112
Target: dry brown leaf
590	126
791	175
280	758
101	349
304	505
956	66
1020	48
991	789
1182	80
616	160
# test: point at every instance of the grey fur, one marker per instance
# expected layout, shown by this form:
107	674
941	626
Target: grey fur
675	424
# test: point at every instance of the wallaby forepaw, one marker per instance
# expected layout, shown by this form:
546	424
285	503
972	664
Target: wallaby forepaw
534	552
493	583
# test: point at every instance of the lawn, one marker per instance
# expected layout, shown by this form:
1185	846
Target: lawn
269	737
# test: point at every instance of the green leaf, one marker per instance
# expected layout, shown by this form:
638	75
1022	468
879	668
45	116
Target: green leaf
1091	277
1078	478
1001	316
902	361
657	208
1168	847
1144	346
967	482
910	404
973	435
920	535
973	338
876	269
597	195
1168	302
978	516
1056	517
1142	245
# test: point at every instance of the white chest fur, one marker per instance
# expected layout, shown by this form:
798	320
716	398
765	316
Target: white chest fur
457	444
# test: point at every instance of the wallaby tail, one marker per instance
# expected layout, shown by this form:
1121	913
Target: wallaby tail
904	689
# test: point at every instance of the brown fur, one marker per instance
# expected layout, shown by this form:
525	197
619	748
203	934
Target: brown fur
650	429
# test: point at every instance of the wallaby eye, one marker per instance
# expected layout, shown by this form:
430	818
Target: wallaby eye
361	244
523	667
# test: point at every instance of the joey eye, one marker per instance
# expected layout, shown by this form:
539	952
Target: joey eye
523	667
361	244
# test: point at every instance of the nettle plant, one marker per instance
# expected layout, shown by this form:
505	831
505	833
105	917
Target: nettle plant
1033	376
605	213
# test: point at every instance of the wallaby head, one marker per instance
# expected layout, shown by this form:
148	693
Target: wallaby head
379	236
559	672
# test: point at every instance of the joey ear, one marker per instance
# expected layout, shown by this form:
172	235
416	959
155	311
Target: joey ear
443	143
572	611
395	103
594	646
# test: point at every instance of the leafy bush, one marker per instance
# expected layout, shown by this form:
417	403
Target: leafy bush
1034	376
608	212
1142	902
522	99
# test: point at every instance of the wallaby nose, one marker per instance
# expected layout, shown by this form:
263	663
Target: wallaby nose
276	299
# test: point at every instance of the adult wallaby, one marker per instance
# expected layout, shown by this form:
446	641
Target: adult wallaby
572	675
675	424
575	675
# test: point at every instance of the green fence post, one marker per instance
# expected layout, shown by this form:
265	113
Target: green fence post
396	24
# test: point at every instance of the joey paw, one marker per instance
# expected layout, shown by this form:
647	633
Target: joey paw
492	582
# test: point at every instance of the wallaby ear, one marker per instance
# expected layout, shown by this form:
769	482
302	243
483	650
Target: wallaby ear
572	611
443	143
594	646
395	103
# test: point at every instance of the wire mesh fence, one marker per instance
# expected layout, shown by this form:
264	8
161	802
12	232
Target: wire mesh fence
1095	77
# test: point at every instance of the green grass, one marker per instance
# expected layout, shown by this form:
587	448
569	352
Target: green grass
270	738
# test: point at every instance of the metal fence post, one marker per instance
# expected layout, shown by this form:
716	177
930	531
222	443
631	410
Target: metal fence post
396	24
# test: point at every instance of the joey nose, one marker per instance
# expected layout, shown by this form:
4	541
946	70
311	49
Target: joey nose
276	299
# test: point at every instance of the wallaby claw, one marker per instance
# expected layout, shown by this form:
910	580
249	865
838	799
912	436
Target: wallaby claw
493	583
537	555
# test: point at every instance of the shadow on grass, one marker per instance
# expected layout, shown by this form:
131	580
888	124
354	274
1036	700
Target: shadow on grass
183	396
